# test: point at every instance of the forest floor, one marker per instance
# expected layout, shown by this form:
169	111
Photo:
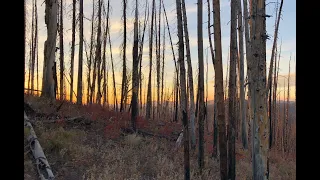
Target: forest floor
95	146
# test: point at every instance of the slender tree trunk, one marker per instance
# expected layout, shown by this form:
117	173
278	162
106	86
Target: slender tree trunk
200	87
79	87
176	67
232	93
286	146
49	49
244	136
219	88
113	76
209	33
89	91
183	92
74	3
124	66
135	76
158	62
25	44
36	44
149	93
190	76
33	43
163	56
146	18
273	48
98	56
260	119
61	51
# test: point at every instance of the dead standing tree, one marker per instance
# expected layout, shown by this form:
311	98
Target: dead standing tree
149	93
259	91
79	87
190	77
61	50
244	136
232	93
200	87
74	3
124	66
135	76
49	49
219	89
183	92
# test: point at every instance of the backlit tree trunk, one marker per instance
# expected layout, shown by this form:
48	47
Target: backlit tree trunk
79	87
183	92
219	89
49	48
61	51
190	76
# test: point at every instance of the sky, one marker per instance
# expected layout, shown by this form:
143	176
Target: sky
287	37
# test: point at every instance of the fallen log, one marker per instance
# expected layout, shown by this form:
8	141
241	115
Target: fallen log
78	119
43	167
145	133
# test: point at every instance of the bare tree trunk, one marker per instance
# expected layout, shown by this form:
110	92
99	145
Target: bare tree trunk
232	93
269	86
176	67
124	66
89	90
104	68
260	119
273	48
146	18
25	44
74	3
61	50
98	57
201	88
183	92
79	88
158	62
163	56
113	76
286	148
37	44
244	136
149	93
33	43
49	49
135	76
190	76
209	33
219	88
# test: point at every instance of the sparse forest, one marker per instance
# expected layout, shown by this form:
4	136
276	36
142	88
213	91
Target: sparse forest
183	89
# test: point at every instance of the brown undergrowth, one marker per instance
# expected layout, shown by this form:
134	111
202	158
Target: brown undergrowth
101	151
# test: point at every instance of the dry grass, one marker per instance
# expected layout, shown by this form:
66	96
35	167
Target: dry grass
77	152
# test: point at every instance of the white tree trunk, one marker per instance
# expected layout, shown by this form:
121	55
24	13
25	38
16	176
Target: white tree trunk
42	164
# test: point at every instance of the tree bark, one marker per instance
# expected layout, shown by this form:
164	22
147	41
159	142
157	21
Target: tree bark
61	51
49	49
190	77
244	136
74	3
124	66
149	93
232	93
260	118
201	88
183	92
135	77
79	88
219	88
